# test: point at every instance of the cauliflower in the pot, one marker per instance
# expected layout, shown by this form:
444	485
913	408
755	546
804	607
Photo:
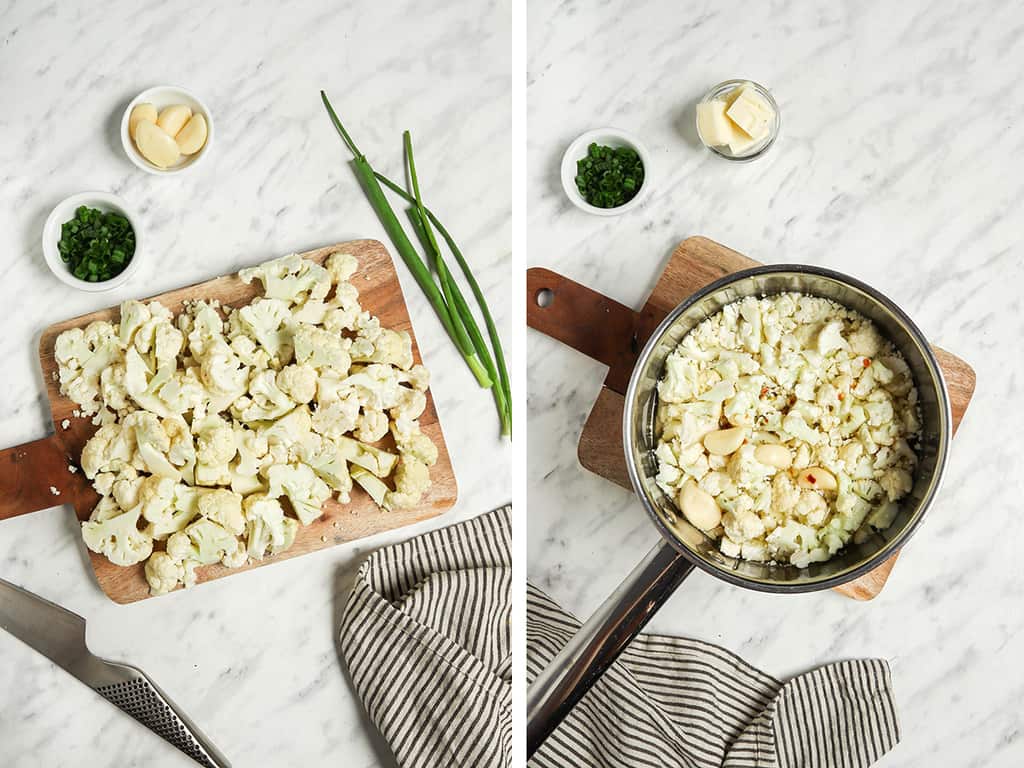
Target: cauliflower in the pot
224	430
777	408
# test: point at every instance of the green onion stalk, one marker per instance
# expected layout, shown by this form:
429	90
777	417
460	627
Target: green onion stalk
500	399
492	330
368	179
452	292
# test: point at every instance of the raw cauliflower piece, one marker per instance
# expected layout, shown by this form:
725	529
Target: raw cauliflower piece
290	278
325	458
268	530
373	485
224	507
412	479
418	377
182	510
153	444
82	355
321	349
109	450
341	266
117	537
391	348
251	447
305	491
267	322
371	426
215	448
299	382
222	372
204	542
375	460
410	440
338	417
266	401
163	573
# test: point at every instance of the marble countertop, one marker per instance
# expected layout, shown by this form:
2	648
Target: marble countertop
251	658
900	129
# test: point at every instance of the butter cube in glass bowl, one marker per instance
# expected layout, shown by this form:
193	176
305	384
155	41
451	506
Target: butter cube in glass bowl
738	120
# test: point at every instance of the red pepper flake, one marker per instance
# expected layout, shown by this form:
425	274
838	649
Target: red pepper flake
842	396
811	479
764	391
867	362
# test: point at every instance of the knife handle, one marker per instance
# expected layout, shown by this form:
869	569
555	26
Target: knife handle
27	473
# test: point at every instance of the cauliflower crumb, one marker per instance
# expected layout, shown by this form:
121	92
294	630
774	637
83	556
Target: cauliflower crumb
72	468
54	491
65	424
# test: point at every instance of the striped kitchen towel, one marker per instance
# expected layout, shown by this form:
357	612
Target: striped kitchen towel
426	638
674	703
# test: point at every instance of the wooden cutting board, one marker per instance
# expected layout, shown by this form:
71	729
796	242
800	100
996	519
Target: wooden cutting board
31	473
614	334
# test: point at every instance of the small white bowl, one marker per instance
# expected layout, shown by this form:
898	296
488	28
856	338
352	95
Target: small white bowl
164	96
609	137
65	211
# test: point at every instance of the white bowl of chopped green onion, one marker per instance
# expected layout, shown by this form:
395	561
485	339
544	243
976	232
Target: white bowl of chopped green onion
606	172
92	241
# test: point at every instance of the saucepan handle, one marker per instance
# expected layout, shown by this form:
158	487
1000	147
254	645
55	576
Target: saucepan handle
599	642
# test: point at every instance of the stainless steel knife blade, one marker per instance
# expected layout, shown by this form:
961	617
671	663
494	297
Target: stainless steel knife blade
59	634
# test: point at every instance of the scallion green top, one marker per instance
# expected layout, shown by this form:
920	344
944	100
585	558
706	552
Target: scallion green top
609	176
95	245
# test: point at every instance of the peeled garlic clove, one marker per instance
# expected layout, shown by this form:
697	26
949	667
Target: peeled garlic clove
172	118
818	478
777	456
144	111
155	145
699	506
722	442
192	136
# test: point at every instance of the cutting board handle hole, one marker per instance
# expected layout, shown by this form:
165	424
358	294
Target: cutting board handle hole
545	297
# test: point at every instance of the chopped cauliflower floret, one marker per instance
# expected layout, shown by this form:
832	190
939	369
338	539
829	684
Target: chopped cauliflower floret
412	479
305	491
118	537
290	278
163	573
298	382
341	266
224	507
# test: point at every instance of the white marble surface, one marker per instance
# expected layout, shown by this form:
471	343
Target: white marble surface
252	658
897	163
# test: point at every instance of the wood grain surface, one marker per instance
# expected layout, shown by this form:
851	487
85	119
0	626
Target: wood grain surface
28	471
575	315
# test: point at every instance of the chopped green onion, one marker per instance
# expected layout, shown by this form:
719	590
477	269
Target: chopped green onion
609	176
95	245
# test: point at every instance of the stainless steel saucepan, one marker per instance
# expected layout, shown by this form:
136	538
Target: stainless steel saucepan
598	643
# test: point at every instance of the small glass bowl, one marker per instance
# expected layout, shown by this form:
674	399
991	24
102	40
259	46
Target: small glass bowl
762	146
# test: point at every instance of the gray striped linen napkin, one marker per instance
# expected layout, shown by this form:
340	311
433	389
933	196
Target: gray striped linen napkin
426	638
671	702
